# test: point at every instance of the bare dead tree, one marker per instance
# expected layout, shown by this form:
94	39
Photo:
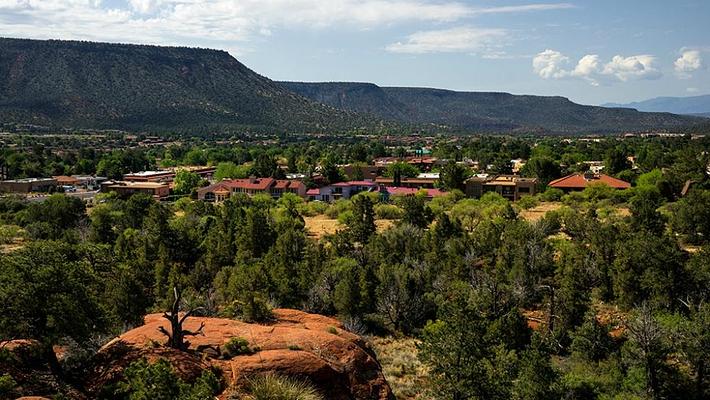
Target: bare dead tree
647	334
177	335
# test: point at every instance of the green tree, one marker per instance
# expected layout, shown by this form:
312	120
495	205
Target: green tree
362	225
615	161
185	182
453	176
691	216
544	169
401	169
230	170
158	381
416	211
48	296
644	209
463	363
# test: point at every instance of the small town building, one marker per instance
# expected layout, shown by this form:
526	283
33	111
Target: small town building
512	187
341	190
273	187
124	189
579	181
168	175
28	185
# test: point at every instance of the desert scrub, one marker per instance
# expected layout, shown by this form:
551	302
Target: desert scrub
238	346
276	387
406	375
388	211
332	330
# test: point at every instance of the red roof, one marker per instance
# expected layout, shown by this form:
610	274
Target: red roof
579	181
313	192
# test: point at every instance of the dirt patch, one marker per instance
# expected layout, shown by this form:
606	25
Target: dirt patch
321	225
535	213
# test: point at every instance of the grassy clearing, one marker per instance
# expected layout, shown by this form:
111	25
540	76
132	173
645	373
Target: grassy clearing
403	370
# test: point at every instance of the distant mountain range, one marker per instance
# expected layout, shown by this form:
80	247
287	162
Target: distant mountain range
149	88
486	111
695	105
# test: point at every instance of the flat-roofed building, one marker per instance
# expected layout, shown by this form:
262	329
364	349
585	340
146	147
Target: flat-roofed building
28	185
168	175
126	189
512	187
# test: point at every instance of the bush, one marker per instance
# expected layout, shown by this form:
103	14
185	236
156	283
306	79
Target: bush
312	208
275	387
338	208
158	381
388	211
250	307
8	233
552	194
7	384
527	202
238	346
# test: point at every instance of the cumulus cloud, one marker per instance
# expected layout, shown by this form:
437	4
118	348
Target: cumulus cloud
223	22
551	64
689	62
463	39
634	67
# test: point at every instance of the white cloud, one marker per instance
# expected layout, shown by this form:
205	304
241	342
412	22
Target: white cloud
463	39
551	64
689	61
633	67
223	22
525	8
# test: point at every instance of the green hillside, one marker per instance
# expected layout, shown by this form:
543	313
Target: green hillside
486	111
99	85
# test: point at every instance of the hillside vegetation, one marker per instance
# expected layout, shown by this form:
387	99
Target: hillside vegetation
484	111
100	85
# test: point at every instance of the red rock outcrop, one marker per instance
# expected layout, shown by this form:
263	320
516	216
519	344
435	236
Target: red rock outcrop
312	347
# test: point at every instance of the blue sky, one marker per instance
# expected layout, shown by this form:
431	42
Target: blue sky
591	51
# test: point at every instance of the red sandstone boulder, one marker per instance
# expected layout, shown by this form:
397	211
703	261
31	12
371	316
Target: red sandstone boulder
298	344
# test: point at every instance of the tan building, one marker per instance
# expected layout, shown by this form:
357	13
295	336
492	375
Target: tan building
126	189
28	185
273	187
512	187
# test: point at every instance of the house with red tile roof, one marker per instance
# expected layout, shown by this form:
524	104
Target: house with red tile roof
275	188
580	181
